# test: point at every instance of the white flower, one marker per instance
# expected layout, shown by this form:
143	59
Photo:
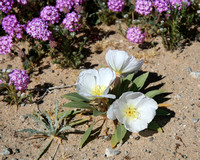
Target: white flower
134	110
94	83
122	63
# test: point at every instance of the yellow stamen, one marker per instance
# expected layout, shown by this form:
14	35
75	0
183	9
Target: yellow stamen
131	112
98	90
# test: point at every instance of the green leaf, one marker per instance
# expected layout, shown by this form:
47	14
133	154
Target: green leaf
160	112
74	97
119	134
129	77
76	104
154	126
154	93
63	129
138	83
97	113
68	113
77	122
86	135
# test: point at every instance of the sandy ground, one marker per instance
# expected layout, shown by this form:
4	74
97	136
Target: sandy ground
169	71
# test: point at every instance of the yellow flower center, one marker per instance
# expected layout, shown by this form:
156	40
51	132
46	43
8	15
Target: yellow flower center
98	90
131	112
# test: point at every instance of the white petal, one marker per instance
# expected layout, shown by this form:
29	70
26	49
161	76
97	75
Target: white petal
146	114
148	102
110	113
135	125
116	58
132	66
106	76
133	98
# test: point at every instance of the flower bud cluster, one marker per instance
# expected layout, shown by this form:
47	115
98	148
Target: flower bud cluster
12	26
6	5
19	78
143	7
71	21
6	44
64	5
50	14
135	35
116	5
23	2
38	29
161	5
179	3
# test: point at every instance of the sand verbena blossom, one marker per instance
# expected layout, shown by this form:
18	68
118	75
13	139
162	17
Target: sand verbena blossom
134	110
94	83
19	78
122	63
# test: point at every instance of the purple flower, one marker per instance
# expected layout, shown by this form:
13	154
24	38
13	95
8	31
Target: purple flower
6	5
161	5
19	78
116	5
71	21
64	5
12	26
51	14
143	7
135	35
179	3
6	44
1	81
38	29
23	2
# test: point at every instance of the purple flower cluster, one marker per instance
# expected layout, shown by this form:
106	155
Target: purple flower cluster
71	21
64	5
51	14
143	7
179	3
38	29
116	5
23	2
19	78
6	44
12	26
135	35
6	5
1	81
161	5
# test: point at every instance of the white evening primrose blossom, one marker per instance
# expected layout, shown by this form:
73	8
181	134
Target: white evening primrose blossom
134	110
122	63
94	83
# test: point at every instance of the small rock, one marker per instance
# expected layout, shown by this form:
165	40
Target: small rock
151	139
119	145
126	153
195	74
6	151
14	159
137	138
16	151
109	152
184	117
195	120
23	118
131	137
107	138
185	157
147	150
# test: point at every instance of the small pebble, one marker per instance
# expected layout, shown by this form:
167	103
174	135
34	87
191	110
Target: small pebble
14	159
195	120
16	151
195	74
137	138
23	118
6	151
119	145
147	150
185	157
151	139
126	153
131	137
109	152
